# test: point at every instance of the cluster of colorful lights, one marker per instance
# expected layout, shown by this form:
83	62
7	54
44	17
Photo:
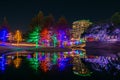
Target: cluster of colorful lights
34	62
18	36
17	61
34	36
43	38
3	35
48	60
47	38
6	36
61	38
102	32
2	62
102	63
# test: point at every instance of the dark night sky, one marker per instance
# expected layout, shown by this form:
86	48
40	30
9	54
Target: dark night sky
20	12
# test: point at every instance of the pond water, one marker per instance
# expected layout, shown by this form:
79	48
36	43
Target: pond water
82	64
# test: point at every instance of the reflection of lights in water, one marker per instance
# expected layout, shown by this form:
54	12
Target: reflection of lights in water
28	56
61	64
102	63
17	61
54	58
43	56
44	65
77	52
2	62
9	61
80	53
34	62
118	54
79	68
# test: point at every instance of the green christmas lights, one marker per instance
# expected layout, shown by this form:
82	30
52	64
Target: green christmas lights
35	36
88	74
54	59
34	62
54	38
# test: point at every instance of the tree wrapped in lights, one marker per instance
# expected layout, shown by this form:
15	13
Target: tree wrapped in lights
62	37
44	37
3	35
44	33
10	37
102	32
54	38
35	36
18	36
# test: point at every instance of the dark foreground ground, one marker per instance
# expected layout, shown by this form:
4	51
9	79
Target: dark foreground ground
65	75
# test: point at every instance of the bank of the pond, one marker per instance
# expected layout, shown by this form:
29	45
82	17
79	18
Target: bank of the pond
33	49
49	49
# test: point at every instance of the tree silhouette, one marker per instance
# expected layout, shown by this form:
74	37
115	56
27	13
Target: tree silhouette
62	23
116	18
37	20
49	21
5	24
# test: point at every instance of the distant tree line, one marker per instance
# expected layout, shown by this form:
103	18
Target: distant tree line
48	22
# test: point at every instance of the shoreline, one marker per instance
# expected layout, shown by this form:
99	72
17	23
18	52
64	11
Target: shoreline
33	49
49	49
89	45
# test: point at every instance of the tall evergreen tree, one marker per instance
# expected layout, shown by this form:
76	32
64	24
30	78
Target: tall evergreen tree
49	21
3	34
35	36
54	39
62	20
62	23
5	24
18	36
37	20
